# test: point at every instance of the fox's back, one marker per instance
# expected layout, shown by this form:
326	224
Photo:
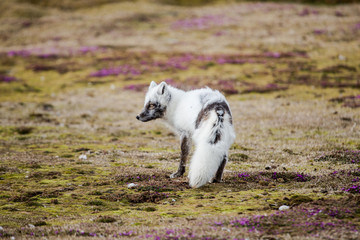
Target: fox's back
190	105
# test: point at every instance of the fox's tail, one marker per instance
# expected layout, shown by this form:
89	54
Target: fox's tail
212	139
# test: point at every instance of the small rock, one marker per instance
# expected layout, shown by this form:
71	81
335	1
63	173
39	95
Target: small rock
31	226
1	228
131	185
267	167
12	238
225	229
173	200
272	161
83	157
284	208
342	58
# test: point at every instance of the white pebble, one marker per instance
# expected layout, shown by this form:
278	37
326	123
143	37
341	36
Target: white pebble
342	58
12	238
284	207
83	157
1	228
31	226
131	185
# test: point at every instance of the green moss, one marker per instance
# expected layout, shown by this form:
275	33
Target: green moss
106	219
238	157
299	199
95	203
67	155
150	209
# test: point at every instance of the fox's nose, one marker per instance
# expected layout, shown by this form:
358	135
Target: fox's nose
137	117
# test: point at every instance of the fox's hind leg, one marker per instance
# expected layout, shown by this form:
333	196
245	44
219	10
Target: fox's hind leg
185	149
219	173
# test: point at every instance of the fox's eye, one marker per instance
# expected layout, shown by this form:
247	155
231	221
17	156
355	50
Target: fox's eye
151	106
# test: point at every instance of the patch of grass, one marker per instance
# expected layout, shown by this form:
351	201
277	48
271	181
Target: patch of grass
40	223
23	130
342	156
150	209
96	203
238	157
106	219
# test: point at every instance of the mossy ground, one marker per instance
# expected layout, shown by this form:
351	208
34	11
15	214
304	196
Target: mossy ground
73	80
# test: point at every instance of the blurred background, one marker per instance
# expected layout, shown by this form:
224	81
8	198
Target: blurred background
259	45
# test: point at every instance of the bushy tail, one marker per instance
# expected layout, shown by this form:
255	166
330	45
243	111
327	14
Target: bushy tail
212	142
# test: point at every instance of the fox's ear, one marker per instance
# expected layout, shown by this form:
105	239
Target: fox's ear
162	88
152	84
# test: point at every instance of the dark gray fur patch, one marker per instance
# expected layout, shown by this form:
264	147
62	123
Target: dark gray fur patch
219	173
150	114
220	107
159	111
185	149
184	153
217	137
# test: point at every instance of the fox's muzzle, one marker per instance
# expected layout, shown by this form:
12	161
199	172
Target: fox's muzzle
144	117
151	112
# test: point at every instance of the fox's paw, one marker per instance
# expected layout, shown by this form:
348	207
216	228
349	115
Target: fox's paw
215	180
176	174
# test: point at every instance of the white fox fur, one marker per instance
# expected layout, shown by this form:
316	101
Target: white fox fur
201	115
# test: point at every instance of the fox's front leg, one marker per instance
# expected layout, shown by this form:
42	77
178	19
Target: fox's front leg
185	149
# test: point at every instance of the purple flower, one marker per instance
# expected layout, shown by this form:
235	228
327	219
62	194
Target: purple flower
352	189
170	232
218	223
306	12
302	177
319	31
219	33
4	78
243	175
339	14
87	49
21	53
115	71
357	26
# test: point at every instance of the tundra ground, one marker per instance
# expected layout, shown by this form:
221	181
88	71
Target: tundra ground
72	81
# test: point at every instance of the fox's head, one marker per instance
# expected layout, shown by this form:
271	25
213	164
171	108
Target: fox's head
156	101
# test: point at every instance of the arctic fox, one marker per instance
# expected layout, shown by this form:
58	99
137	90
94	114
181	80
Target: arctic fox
202	116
